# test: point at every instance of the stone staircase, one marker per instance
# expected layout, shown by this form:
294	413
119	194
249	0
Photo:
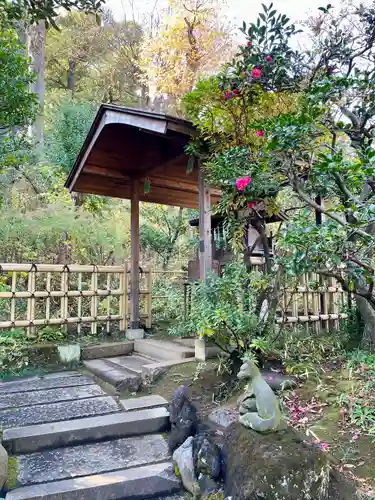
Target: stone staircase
72	441
127	364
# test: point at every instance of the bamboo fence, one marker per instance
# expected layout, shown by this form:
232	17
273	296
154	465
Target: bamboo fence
314	301
46	294
37	295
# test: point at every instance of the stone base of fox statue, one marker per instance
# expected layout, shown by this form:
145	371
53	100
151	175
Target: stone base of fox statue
279	466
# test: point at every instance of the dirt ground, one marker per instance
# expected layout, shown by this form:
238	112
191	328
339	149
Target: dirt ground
317	402
325	419
205	385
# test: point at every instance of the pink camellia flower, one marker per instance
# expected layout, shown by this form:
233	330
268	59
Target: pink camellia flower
260	133
322	445
256	73
252	204
242	182
356	436
269	59
227	95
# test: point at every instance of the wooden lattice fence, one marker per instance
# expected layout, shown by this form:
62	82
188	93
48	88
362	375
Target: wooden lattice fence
35	295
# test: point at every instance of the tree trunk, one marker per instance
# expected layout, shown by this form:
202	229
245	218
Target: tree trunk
36	47
64	255
368	315
71	76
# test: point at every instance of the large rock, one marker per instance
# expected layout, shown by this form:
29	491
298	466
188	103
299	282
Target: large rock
3	466
183	418
279	465
223	417
184	466
278	381
206	454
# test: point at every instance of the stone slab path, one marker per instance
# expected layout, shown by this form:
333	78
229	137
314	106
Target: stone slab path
74	442
83	460
55	412
19	399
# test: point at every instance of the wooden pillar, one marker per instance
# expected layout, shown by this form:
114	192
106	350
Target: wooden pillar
205	247
134	234
205	240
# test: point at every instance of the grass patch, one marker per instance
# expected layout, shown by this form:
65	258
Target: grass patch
12	473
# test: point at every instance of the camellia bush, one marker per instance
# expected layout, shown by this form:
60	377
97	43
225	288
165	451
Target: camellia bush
224	311
279	119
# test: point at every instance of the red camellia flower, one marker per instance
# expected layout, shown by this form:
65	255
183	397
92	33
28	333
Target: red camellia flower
227	95
252	204
249	44
256	73
269	59
242	182
260	133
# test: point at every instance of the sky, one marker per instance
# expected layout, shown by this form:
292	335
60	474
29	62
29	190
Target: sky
238	10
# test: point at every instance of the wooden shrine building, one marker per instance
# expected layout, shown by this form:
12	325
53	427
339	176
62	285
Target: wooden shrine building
140	155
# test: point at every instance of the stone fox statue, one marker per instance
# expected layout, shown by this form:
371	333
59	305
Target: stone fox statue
268	414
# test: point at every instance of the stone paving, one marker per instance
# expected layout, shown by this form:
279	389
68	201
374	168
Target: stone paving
18	399
111	447
86	459
55	412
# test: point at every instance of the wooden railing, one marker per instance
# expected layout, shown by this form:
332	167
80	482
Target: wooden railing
34	295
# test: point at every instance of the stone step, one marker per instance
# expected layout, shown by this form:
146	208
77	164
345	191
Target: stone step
174	497
51	381
18	399
114	374
138	483
132	363
55	435
91	459
145	402
152	371
162	349
107	350
211	351
54	412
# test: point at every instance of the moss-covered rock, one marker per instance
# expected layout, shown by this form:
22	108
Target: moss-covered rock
279	466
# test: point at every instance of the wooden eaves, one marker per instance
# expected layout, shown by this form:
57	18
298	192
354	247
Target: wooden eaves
126	144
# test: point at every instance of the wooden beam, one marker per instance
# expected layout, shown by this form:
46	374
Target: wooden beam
95	170
205	243
135	243
176	160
